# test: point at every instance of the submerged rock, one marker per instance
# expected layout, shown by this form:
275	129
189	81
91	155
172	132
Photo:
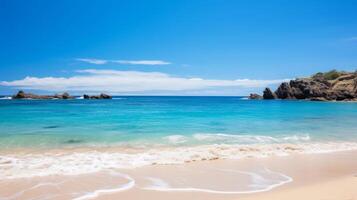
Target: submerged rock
72	141
51	127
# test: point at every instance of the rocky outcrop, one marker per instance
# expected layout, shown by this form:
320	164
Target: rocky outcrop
63	96
255	96
268	94
22	95
329	86
101	96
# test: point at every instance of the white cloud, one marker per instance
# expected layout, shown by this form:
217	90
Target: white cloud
142	62
128	62
93	61
120	82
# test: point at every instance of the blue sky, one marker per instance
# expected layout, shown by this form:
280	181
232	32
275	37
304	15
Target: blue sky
194	47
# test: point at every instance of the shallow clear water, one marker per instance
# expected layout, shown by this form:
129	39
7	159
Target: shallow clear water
46	137
178	121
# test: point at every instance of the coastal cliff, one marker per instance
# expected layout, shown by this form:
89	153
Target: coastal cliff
329	86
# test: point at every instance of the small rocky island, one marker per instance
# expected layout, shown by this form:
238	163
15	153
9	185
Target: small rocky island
22	95
329	86
101	96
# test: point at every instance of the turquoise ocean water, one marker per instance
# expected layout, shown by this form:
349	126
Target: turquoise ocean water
172	121
73	137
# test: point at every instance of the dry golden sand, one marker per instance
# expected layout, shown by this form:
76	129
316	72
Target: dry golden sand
316	176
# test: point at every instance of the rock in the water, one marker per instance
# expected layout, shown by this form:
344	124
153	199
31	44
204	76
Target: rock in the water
284	91
66	96
101	96
51	127
63	96
255	96
333	85
105	96
73	141
268	94
19	95
22	95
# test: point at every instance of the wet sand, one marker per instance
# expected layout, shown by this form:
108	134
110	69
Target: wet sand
300	176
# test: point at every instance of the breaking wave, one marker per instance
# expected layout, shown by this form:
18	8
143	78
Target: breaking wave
90	161
250	139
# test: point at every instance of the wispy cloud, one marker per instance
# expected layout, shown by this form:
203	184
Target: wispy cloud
141	62
93	61
116	82
129	62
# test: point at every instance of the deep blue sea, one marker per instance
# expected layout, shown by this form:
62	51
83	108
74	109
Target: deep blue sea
172	121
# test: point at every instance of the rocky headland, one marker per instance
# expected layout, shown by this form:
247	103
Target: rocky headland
329	86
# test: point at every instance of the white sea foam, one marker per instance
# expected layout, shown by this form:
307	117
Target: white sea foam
74	163
259	183
250	139
5	98
80	192
120	188
18	195
176	139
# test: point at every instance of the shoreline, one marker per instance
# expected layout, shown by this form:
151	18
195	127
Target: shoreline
195	180
312	176
32	162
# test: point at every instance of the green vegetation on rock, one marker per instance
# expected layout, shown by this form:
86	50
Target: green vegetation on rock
330	75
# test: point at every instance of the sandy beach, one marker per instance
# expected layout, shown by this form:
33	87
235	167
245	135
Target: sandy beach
299	176
178	100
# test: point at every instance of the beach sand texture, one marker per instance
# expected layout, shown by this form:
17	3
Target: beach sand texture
307	176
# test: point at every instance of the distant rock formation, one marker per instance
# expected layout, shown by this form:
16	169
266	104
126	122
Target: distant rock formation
329	86
268	94
22	95
101	96
255	96
63	96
